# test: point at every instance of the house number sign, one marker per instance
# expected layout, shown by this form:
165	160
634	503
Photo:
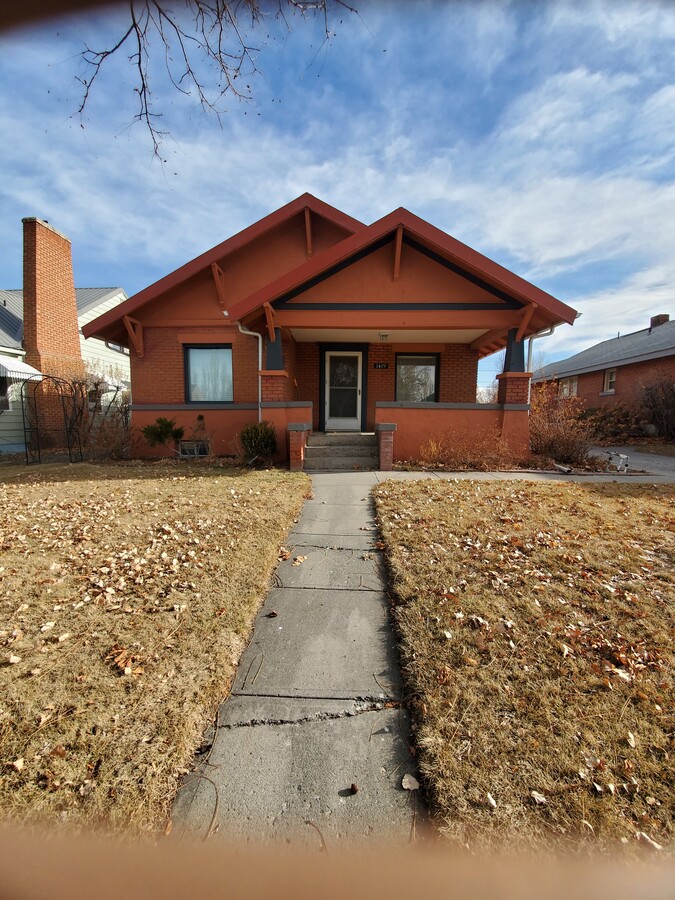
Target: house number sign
380	365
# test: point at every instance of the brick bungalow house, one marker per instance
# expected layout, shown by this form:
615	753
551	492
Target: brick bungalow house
318	323
616	371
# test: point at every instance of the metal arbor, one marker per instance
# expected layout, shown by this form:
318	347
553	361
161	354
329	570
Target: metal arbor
53	412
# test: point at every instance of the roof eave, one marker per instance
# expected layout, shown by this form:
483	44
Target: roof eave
201	262
553	311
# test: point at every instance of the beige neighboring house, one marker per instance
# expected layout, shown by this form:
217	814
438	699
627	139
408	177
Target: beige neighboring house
41	329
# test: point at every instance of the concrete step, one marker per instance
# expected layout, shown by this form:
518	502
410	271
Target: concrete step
341	464
341	439
334	451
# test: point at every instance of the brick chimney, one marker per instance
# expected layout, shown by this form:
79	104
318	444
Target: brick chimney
655	321
50	330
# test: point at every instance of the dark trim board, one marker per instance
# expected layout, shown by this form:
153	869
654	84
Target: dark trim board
507	301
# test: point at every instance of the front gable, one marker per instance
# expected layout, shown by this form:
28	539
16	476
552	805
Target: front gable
423	280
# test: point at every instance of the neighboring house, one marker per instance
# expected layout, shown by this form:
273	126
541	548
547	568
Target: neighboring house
312	320
41	325
616	371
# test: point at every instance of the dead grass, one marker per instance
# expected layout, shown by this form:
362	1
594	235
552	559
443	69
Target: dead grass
536	623
127	593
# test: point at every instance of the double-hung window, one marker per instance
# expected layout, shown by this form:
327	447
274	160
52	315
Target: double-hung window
208	373
417	377
609	385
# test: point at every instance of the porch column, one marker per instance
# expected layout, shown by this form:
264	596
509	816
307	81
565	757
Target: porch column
385	445
297	442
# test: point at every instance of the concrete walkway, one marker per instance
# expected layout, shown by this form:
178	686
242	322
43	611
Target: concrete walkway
315	703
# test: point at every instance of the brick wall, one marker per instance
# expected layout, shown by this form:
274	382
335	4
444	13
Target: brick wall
307	362
459	374
159	377
51	333
630	380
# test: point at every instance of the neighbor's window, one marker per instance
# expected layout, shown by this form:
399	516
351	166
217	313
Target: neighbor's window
568	387
208	373
4	393
610	380
111	345
417	377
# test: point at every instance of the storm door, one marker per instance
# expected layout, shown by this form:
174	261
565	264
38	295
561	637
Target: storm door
343	390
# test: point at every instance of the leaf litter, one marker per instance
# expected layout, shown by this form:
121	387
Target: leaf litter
536	626
126	595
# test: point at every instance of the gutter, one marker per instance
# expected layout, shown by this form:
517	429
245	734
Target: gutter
244	330
547	332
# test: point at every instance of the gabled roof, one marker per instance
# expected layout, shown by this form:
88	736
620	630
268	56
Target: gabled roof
415	232
650	343
11	310
273	220
11	319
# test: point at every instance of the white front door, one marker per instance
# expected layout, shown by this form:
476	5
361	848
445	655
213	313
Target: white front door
343	390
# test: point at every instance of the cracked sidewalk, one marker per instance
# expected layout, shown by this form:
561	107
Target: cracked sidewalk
315	706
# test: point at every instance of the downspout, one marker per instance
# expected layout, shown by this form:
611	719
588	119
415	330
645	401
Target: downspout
255	334
547	332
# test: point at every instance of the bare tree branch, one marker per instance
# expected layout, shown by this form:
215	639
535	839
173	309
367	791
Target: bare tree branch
214	31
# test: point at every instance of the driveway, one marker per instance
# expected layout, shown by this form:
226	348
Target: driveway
650	463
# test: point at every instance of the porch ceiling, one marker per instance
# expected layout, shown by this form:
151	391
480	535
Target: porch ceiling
396	336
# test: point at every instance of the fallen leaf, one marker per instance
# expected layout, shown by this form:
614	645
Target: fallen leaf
47	626
354	788
409	783
631	739
299	560
284	553
13	659
18	764
538	798
647	841
492	801
272	614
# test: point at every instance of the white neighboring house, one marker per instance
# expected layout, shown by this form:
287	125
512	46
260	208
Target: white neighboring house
107	360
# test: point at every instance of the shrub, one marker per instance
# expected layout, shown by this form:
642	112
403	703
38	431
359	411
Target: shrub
483	450
616	424
162	432
556	429
259	443
658	400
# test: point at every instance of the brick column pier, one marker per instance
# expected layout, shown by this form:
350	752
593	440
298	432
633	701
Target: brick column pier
385	445
297	442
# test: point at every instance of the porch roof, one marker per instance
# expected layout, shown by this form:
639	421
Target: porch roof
517	303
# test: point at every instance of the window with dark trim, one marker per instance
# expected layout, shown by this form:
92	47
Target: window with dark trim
208	373
417	377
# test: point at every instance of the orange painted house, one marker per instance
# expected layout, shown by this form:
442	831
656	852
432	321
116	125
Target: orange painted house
316	322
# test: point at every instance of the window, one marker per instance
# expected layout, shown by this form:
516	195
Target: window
417	377
111	345
208	373
610	381
567	387
4	393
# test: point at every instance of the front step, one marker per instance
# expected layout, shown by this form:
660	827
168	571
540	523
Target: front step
341	452
342	439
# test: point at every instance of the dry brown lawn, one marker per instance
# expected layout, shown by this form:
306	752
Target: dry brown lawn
126	597
536	627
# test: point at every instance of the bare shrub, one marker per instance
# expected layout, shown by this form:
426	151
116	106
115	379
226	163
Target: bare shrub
658	400
557	430
616	424
483	450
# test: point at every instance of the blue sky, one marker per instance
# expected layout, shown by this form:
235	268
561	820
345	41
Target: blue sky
542	134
